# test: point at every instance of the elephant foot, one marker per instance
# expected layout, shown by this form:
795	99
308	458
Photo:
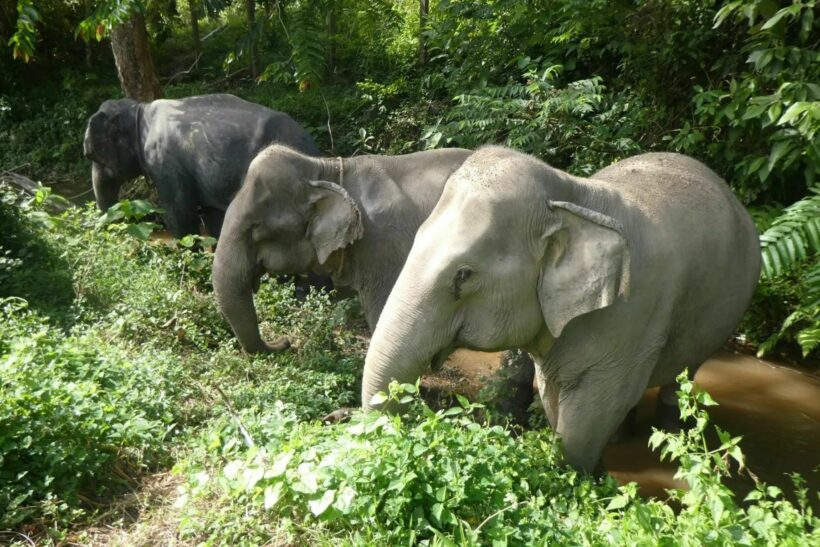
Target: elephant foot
281	344
338	416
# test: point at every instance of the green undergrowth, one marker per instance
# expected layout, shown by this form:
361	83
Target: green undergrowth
446	478
135	372
79	416
109	382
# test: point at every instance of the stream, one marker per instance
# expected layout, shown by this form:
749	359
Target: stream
775	408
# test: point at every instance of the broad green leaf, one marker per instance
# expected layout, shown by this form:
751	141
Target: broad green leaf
779	149
231	471
344	500
618	502
793	112
251	476
142	231
320	505
280	464
775	18
378	399
273	494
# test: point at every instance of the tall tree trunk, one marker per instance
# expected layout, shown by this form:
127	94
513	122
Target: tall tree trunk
88	50
250	6
424	10
132	54
8	20
193	10
331	30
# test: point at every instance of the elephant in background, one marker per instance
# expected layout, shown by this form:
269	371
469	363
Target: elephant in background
195	151
613	284
352	218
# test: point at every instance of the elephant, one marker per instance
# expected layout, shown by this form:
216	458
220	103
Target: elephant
194	150
351	218
613	283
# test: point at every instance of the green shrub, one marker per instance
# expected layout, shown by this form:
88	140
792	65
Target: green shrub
786	307
30	267
578	127
142	352
42	128
77	417
441	478
758	123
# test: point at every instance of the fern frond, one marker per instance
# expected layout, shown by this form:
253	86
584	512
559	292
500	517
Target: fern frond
809	338
793	236
810	281
307	37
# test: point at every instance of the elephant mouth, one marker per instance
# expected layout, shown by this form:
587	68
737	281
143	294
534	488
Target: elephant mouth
441	357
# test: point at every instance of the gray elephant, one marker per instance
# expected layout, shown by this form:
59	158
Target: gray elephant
195	151
620	282
353	218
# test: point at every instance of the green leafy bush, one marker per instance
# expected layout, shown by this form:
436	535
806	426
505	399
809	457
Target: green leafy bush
22	244
787	304
759	123
139	357
442	478
41	129
793	236
76	416
578	127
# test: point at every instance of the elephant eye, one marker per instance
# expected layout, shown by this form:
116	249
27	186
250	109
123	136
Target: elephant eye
462	275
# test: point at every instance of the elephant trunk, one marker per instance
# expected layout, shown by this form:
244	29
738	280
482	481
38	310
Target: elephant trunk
106	186
403	345
235	274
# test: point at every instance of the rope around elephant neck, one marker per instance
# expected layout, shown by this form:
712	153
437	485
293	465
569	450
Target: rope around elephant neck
341	172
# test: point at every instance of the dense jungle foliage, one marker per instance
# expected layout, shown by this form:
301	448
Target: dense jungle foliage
105	385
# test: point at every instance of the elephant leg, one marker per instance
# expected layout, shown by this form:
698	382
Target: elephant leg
182	222
181	208
515	390
667	413
213	219
590	412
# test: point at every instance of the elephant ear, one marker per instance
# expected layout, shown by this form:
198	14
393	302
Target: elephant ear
586	264
334	220
94	142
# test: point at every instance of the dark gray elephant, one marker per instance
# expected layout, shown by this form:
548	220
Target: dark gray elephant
619	282
195	151
353	218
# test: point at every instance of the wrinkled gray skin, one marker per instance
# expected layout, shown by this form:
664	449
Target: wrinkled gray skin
620	282
194	150
353	218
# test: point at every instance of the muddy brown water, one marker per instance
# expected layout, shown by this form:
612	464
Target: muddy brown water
775	408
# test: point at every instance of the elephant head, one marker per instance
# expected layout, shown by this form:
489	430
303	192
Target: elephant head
507	259
286	219
112	143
